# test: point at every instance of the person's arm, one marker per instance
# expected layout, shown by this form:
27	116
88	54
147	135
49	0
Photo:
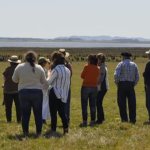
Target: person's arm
117	73
43	79
136	74
15	76
52	77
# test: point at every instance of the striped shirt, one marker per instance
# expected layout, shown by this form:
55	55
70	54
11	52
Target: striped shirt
59	80
126	71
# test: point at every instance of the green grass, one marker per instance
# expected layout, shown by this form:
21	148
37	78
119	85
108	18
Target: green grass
111	135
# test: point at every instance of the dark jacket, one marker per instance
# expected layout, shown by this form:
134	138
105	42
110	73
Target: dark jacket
146	74
9	85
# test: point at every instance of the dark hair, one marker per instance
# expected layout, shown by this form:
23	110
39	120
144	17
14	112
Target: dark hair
13	64
31	57
92	59
42	61
101	56
57	58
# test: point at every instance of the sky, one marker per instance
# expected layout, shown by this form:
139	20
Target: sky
57	18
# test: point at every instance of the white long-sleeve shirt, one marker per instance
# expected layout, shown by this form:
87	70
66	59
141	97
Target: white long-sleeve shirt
27	79
59	80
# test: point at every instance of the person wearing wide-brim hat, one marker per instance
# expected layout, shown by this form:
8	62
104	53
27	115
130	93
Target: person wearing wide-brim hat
14	59
146	76
66	54
11	90
45	105
68	65
126	77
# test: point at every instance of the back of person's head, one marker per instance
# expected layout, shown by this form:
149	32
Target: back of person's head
92	59
57	58
101	57
42	61
31	57
13	64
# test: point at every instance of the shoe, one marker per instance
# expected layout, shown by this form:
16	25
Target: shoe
84	124
44	121
146	123
38	135
132	122
25	135
66	131
19	122
98	122
92	123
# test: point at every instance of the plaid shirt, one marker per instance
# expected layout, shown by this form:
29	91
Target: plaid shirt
126	71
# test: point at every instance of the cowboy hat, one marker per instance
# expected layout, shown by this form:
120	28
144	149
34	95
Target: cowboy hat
14	59
126	54
62	50
147	52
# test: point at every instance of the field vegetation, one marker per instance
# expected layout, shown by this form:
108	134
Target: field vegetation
112	134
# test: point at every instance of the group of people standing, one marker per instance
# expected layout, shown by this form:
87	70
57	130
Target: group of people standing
45	88
42	88
94	88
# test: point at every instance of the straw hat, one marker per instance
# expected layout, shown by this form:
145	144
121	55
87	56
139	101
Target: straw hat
62	50
147	52
14	59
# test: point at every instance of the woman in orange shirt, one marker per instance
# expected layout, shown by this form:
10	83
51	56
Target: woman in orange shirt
90	76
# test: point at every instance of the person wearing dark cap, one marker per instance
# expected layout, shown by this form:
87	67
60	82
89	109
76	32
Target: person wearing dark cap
126	77
11	90
146	76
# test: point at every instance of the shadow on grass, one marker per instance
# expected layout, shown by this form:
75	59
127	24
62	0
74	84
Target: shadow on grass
47	135
21	137
51	134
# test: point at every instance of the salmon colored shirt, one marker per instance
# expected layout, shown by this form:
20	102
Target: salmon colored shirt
90	75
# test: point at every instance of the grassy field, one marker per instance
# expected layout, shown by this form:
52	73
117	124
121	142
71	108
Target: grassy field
111	135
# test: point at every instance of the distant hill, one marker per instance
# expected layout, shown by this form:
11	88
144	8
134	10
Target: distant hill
102	39
108	39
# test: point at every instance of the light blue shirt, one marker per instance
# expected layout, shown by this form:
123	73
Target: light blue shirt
126	70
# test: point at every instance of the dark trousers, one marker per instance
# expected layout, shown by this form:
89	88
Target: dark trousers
88	93
31	98
99	105
8	100
126	92
147	92
67	106
55	105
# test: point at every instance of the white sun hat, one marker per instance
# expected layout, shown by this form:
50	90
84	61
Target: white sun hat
62	50
147	52
14	59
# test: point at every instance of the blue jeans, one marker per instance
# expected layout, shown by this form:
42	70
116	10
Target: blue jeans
91	94
99	104
31	98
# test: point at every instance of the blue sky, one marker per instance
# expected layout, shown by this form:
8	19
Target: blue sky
54	18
